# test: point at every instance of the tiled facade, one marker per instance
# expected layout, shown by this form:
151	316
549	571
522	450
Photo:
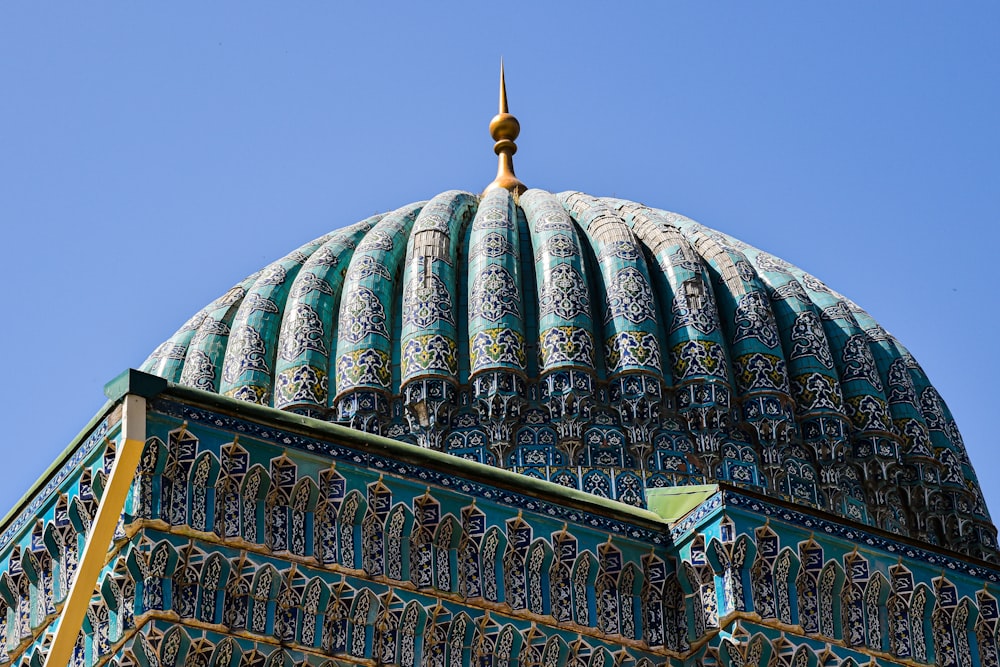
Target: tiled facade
437	438
250	542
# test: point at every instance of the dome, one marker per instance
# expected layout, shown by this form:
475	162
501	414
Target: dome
598	343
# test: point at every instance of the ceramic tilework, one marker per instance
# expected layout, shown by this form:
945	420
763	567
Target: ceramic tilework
508	330
262	552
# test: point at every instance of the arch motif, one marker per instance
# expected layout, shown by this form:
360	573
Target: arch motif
583	578
312	611
364	611
515	562
565	549
807	586
985	629
254	489
539	564
473	528
287	609
387	629
785	568
284	474
148	480
237	601
398	525
446	542
507	647
185	586
898	611
963	619
875	596
629	591
494	544
235	460
460	633
174	647
337	621
203	476
227	653
652	600
157	577
606	590
554	652
852	599
263	592
332	488
804	656
411	635
921	606
831	580
427	516
675	615
182	448
302	509
753	652
214	573
372	543
96	628
352	512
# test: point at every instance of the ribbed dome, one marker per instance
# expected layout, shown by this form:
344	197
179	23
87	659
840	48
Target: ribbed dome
597	343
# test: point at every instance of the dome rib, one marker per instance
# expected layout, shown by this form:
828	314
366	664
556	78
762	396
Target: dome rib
429	353
308	335
498	352
248	368
699	358
364	329
496	312
758	361
567	345
632	341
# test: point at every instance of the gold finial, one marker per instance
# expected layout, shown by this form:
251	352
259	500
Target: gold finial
504	129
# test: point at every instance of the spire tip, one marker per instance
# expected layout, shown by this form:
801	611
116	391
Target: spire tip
504	129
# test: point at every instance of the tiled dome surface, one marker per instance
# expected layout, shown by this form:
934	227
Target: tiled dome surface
597	343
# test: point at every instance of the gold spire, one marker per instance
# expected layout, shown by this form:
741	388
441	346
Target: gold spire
504	129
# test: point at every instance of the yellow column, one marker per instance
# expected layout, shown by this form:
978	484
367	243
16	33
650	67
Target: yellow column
102	531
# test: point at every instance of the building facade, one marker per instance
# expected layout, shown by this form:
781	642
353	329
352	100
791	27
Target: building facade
513	429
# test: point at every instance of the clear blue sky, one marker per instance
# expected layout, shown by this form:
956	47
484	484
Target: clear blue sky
151	155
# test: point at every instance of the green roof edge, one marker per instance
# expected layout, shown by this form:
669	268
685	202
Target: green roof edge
135	383
673	503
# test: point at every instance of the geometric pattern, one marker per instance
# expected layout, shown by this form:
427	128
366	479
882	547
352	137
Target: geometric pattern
631	349
564	294
560	345
362	316
428	353
364	368
426	301
492	347
494	294
630	297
